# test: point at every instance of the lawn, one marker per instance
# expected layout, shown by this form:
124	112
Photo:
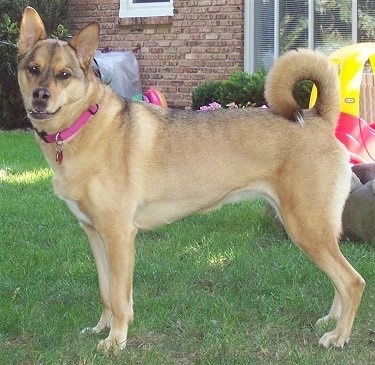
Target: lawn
227	287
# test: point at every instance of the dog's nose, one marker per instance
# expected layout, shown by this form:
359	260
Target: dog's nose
41	94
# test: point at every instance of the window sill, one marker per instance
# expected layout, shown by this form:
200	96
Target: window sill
152	20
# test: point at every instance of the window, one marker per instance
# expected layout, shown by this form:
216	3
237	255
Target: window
293	25
333	22
366	21
264	29
273	27
145	8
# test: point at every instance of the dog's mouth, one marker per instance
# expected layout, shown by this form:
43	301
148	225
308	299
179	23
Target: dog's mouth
41	114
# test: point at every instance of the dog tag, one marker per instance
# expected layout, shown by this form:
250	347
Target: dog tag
59	152
59	156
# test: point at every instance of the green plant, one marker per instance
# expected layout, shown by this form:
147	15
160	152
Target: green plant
241	88
302	93
206	93
12	113
61	32
11	108
244	90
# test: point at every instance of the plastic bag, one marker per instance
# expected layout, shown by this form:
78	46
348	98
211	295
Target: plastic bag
120	70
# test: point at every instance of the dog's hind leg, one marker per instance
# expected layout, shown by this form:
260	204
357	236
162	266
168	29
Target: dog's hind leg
349	286
315	231
100	257
334	312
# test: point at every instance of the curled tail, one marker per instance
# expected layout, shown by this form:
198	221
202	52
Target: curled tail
295	66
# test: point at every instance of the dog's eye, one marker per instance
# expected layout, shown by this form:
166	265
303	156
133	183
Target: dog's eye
34	70
63	75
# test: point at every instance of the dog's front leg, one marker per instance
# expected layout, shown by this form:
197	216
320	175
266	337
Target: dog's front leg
100	256
119	245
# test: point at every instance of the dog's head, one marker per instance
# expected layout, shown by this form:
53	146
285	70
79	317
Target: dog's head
53	74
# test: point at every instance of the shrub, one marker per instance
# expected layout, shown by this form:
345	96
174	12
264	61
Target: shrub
302	93
12	113
243	89
206	93
240	88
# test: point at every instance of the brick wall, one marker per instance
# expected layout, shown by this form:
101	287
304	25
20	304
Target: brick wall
203	40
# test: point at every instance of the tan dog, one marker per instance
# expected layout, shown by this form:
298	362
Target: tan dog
126	165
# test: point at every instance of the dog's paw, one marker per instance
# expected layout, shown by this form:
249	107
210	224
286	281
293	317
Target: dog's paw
333	339
326	319
91	330
111	345
322	321
104	322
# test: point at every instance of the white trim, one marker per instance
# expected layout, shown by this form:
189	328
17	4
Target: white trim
128	9
354	21
276	31
249	61
311	24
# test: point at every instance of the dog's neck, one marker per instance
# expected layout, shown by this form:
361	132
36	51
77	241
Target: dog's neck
67	133
60	137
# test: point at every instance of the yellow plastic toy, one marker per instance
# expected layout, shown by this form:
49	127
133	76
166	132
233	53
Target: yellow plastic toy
357	134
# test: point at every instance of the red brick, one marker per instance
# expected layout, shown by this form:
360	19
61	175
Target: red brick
202	41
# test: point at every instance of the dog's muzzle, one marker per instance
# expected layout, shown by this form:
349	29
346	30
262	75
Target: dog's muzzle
40	102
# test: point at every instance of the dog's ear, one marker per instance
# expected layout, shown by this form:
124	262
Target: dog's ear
86	42
31	30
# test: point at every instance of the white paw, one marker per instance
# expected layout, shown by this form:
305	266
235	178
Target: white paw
333	339
111	345
324	320
329	318
91	330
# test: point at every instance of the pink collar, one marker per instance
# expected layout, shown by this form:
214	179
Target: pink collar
72	130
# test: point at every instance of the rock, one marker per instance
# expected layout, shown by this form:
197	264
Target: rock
364	171
359	213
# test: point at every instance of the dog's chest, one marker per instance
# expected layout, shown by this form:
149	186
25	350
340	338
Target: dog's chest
64	194
74	208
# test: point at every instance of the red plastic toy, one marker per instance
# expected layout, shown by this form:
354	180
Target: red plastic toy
155	97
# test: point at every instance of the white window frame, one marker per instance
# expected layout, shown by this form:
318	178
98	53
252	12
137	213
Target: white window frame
129	9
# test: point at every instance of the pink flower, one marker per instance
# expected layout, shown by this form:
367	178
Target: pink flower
212	106
215	105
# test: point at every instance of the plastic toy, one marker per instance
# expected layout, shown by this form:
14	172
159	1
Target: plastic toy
152	96
155	97
357	134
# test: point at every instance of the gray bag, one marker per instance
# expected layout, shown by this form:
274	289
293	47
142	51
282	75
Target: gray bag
120	70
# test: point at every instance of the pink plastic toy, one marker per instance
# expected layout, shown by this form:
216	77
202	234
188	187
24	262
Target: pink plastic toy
155	97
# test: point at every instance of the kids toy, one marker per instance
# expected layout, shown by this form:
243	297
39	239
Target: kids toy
356	133
154	97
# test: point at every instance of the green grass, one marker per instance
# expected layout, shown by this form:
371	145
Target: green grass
223	288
